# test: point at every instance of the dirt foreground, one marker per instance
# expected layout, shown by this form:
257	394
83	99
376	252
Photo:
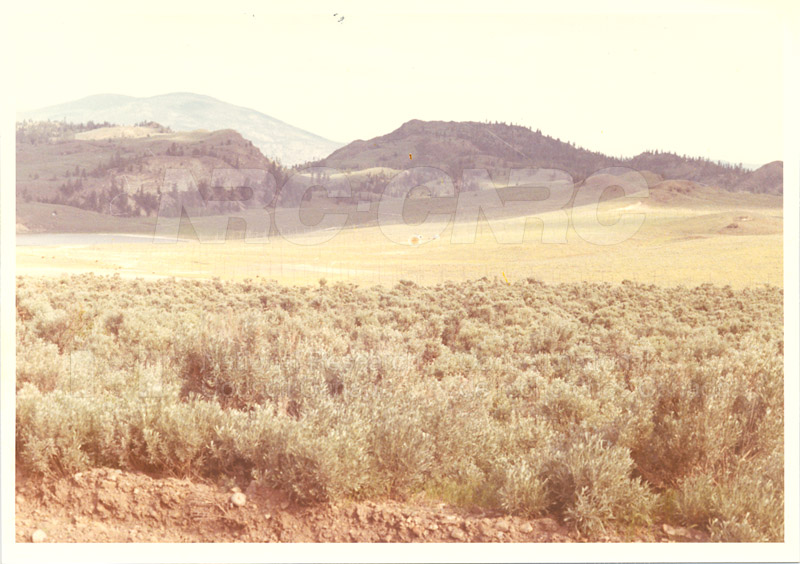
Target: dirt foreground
106	505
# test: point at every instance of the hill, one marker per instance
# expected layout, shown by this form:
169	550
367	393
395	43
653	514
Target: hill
120	171
187	112
764	179
455	146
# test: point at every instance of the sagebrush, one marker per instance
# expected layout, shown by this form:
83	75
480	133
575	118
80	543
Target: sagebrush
605	405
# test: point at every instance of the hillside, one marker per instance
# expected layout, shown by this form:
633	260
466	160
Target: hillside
187	112
120	171
762	179
101	177
455	146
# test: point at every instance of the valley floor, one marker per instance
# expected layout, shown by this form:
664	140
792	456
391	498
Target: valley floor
689	245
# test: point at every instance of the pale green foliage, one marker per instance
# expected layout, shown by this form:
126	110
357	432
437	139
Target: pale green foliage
743	505
524	491
609	406
590	482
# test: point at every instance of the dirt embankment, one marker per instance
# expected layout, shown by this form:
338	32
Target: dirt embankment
105	505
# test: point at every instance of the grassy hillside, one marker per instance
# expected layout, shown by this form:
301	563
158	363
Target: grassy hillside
455	146
763	179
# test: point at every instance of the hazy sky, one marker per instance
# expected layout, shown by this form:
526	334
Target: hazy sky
701	84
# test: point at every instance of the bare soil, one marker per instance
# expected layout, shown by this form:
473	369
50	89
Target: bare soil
107	505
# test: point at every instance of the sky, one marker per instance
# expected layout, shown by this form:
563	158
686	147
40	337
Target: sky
704	79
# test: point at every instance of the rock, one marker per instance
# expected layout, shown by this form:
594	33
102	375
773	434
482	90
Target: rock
267	516
238	499
547	524
285	505
676	531
38	536
362	513
526	528
286	521
458	534
503	525
236	489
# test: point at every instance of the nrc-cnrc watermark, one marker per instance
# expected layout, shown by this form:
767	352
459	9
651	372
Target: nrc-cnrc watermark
415	206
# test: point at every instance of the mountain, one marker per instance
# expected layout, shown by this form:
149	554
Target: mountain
455	146
188	112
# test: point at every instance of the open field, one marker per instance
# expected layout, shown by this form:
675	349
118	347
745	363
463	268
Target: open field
406	382
690	241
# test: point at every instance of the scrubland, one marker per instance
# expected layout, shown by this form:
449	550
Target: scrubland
607	406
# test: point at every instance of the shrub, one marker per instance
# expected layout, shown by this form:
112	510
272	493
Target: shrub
591	484
579	399
525	488
745	505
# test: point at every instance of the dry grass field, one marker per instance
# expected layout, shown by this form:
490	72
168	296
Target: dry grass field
736	241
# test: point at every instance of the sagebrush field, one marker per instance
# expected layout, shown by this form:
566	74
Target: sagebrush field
606	406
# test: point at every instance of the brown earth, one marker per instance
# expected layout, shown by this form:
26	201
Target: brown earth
106	505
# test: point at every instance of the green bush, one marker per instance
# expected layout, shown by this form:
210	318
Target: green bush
744	505
525	488
591	484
